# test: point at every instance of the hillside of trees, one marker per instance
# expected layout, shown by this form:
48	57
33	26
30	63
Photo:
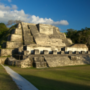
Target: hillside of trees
79	36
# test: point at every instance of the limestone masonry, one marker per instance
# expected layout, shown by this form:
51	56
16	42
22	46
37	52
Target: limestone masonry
42	46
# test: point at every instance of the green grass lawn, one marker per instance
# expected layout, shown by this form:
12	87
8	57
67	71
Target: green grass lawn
6	83
61	78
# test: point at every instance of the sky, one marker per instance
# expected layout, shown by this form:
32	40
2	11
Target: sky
64	14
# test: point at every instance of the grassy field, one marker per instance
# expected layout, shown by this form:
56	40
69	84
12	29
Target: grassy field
61	78
6	83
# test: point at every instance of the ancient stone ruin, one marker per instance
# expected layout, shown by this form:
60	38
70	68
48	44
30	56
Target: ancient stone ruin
42	46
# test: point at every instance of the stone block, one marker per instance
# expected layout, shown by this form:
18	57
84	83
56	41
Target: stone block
36	51
40	64
88	52
83	52
62	52
41	59
2	60
77	47
17	63
46	41
23	57
46	52
46	29
54	52
17	31
15	37
36	59
20	49
6	52
25	52
12	63
70	52
74	57
25	63
43	64
11	44
76	52
19	26
37	64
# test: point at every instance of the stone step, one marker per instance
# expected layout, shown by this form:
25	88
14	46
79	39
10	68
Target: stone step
55	52
33	29
22	48
25	52
20	57
15	37
39	62
11	44
17	31
28	38
7	52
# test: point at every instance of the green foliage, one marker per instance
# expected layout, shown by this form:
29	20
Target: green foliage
3	29
81	36
5	32
71	34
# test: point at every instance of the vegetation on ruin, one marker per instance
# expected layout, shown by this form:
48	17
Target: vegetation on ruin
61	78
6	82
5	32
79	36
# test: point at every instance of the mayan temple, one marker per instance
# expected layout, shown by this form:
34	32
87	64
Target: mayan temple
42	46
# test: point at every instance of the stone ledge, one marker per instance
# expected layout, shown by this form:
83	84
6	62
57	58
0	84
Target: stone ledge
11	44
2	60
15	37
8	52
17	31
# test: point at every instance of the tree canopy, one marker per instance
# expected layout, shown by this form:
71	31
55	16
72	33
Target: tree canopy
79	36
3	29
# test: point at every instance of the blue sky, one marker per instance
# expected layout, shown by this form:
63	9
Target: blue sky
64	14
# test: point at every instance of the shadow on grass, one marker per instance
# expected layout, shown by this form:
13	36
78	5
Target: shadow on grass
47	84
6	82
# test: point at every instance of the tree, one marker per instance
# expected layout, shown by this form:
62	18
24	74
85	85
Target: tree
12	22
81	36
3	29
71	33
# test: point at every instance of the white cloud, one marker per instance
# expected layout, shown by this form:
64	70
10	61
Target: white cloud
4	8
14	7
11	13
9	0
7	8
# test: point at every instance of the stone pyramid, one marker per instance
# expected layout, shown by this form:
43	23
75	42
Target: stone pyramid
40	45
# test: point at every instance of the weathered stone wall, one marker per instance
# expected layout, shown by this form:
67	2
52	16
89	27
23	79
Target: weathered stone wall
46	35
20	63
11	44
45	29
31	48
6	52
77	47
56	60
2	60
17	38
17	31
27	37
45	41
26	63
